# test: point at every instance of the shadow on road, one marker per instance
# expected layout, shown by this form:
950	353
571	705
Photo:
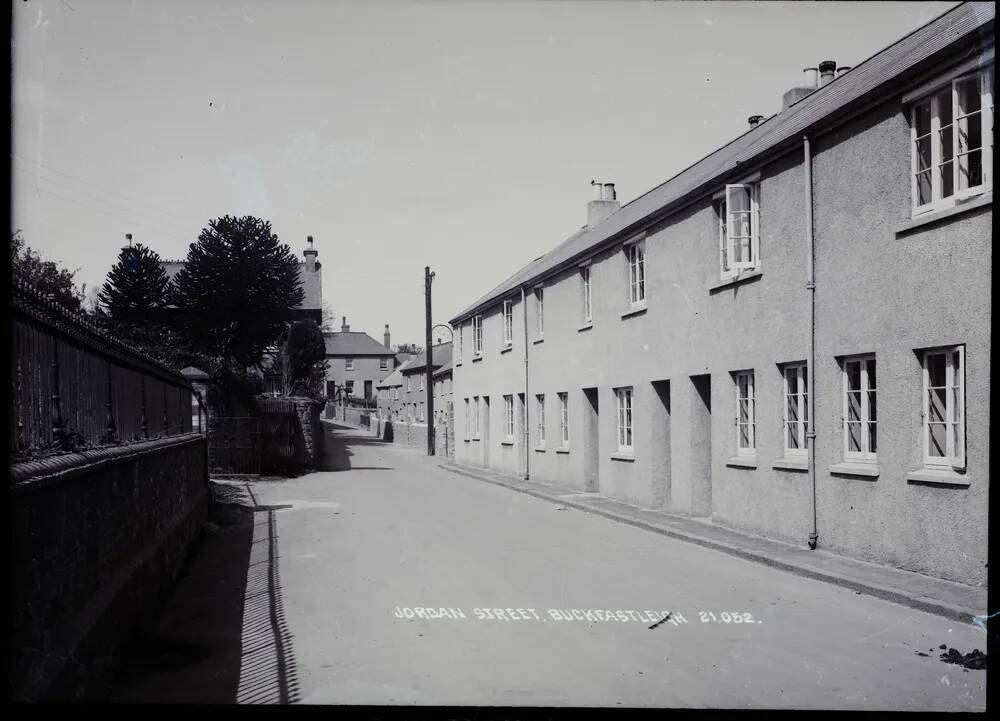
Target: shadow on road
338	440
220	636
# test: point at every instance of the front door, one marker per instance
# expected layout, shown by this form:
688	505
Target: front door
368	390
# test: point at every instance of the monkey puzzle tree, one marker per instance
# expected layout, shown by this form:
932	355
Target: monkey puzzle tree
136	286
237	289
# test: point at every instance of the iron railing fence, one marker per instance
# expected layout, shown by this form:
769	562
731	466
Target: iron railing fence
75	386
234	447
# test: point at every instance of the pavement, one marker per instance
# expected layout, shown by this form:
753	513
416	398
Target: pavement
387	579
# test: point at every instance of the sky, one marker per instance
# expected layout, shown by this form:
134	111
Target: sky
457	135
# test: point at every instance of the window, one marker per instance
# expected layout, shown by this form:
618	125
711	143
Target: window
859	409
420	417
738	212
540	402
796	410
624	396
350	387
383	364
944	408
636	255
585	282
508	415
952	141
461	341
348	364
468	421
746	412
540	310
563	420
475	417
508	323
409	383
421	382
477	334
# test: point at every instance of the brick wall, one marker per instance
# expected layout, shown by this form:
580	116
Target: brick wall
98	537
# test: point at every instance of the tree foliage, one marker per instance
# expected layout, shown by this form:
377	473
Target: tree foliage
136	286
306	348
237	289
45	275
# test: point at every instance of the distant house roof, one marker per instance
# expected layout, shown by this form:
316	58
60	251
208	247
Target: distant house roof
444	370
403	357
393	379
888	69
354	343
441	355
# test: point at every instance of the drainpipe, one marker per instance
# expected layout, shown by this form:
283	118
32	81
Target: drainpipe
811	359
527	451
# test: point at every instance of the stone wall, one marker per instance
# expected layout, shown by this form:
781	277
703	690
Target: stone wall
309	430
98	538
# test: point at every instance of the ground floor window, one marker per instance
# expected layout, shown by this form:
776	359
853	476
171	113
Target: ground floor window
944	407
563	420
746	412
796	409
860	440
508	415
624	398
540	403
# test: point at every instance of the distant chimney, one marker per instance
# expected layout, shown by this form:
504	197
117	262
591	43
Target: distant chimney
310	254
811	77
826	72
754	120
809	80
128	237
842	69
603	204
386	336
343	324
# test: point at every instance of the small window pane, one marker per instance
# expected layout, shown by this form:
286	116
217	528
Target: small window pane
937	445
853	376
924	187
936	369
854	437
922	117
936	405
854	406
872	445
969	99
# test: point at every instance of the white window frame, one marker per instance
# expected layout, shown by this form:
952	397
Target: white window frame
802	400
625	436
540	310
420	412
421	382
508	415
867	389
508	322
348	364
477	335
955	453
409	383
930	95
746	377
563	420
540	423
475	417
586	279
383	364
727	235
635	257
461	341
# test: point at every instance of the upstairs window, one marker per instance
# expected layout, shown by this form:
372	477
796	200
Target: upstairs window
635	255
585	282
796	410
348	364
944	408
383	364
738	212
477	334
540	310
409	383
951	131
746	426
508	323
421	381
461	339
860	416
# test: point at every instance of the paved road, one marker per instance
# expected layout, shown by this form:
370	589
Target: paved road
361	547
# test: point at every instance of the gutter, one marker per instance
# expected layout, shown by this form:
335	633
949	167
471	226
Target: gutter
811	360
527	451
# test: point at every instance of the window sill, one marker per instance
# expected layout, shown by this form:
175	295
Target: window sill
866	470
587	326
738	280
476	440
537	341
466	439
506	349
562	450
742	462
458	363
932	216
540	449
628	457
506	443
637	309
477	359
938	476
791	464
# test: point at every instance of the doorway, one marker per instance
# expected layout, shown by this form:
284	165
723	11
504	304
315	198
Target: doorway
659	427
591	442
701	445
486	431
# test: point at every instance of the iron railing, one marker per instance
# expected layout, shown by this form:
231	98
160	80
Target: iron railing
74	386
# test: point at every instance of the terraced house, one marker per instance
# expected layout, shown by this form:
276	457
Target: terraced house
791	337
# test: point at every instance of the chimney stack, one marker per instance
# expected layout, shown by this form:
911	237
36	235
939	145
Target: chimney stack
343	324
809	81
603	204
386	336
826	72
754	120
310	254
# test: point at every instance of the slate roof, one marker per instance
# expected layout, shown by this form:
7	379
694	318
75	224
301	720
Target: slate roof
393	379
354	343
886	70
442	355
443	370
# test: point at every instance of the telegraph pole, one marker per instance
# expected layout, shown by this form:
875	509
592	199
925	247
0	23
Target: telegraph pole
429	369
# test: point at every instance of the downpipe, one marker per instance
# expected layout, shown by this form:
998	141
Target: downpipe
811	359
527	426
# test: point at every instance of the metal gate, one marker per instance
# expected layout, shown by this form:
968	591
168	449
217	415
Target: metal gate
234	447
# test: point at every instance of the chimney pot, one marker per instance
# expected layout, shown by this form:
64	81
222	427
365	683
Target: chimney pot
754	120
598	190
811	76
842	69
343	324
609	191
826	71
385	338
